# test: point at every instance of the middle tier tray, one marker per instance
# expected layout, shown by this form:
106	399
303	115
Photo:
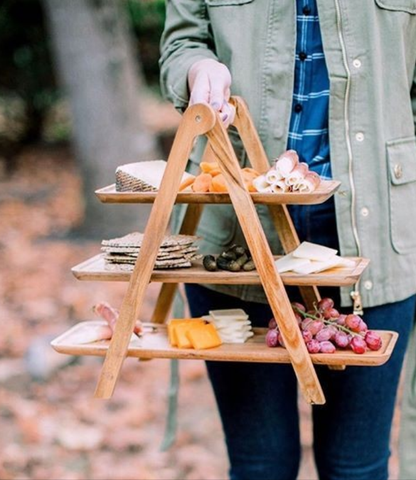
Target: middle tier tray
324	191
94	269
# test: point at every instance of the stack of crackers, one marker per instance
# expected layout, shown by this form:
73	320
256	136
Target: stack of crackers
176	251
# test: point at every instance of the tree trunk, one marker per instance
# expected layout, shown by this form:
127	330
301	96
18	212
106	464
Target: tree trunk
101	75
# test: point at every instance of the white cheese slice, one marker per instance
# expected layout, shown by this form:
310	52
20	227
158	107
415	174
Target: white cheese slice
289	262
317	266
233	314
346	262
313	251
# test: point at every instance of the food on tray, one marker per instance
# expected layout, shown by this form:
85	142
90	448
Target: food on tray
232	325
325	330
203	337
94	333
192	333
142	176
176	251
212	180
287	175
234	259
111	314
311	258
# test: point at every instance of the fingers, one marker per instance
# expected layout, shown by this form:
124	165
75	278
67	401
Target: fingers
200	92
209	82
227	114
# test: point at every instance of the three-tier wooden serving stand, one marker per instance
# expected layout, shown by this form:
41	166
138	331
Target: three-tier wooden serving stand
202	120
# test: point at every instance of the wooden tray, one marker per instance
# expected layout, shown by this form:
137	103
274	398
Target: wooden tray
156	345
94	269
325	190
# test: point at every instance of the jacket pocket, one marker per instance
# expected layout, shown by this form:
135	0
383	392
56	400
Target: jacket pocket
408	6
401	156
226	3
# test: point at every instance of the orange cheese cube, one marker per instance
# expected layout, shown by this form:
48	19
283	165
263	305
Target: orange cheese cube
204	336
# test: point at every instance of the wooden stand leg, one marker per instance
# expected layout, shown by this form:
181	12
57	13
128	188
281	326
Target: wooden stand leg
263	259
197	120
281	218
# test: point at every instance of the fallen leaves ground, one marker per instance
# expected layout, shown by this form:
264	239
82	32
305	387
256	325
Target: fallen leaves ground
53	429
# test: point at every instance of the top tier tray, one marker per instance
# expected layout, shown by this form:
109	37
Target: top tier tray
325	190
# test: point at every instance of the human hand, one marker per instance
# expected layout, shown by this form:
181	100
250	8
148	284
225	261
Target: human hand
209	82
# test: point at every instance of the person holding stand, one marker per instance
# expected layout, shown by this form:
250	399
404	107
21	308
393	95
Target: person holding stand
335	81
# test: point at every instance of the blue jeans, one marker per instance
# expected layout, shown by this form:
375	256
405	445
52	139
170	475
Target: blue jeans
258	402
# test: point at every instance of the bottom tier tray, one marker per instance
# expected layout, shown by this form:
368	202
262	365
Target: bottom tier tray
154	344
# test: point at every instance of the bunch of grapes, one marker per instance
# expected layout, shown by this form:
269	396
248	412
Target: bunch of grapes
324	329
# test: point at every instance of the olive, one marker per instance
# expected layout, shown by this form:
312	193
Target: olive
230	265
248	266
209	263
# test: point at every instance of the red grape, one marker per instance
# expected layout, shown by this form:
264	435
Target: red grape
363	326
298	306
324	334
341	339
358	344
325	303
373	340
353	322
327	347
280	339
272	338
341	319
307	335
331	313
305	323
272	323
314	327
313	346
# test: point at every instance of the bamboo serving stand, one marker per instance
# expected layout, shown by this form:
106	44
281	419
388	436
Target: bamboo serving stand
199	120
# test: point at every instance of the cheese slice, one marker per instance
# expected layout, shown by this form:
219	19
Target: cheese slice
289	262
142	176
313	251
234	314
315	266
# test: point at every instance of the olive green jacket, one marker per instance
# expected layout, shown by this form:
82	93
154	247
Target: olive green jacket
370	50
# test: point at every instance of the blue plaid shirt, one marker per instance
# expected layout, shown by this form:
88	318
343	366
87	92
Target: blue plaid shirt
308	130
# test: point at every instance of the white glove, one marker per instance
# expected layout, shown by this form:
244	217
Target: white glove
209	82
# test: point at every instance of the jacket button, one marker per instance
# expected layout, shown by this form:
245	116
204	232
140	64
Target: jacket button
359	136
368	284
356	63
303	56
298	108
365	212
398	171
306	10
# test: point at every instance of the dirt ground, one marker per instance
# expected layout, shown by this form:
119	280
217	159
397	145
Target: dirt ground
51	427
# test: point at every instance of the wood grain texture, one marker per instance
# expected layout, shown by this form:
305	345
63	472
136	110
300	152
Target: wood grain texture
197	120
93	269
279	213
263	259
156	345
325	190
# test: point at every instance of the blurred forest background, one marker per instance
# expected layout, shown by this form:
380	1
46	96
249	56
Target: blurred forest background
79	95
